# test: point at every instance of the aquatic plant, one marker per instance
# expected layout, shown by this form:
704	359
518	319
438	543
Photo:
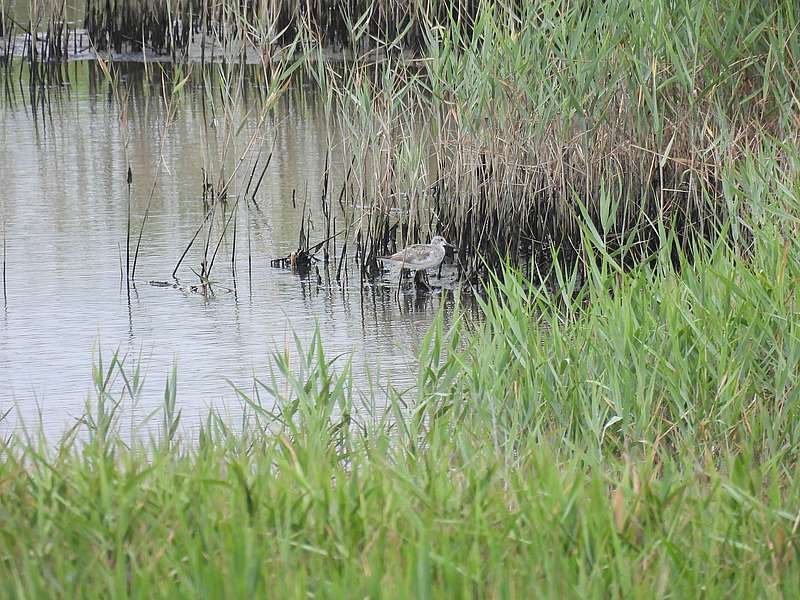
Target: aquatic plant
635	436
499	124
504	133
170	27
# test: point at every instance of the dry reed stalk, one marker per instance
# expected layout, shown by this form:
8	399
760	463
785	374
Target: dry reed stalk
129	180
519	175
5	262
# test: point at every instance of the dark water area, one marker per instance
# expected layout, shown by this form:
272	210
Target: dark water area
64	209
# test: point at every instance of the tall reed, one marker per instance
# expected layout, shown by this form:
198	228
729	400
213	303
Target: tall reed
171	26
508	126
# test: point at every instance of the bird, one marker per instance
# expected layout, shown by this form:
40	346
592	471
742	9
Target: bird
421	257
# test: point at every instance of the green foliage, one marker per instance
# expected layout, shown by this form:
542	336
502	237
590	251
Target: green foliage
631	435
631	432
508	122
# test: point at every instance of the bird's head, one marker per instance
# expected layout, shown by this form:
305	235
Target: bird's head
440	241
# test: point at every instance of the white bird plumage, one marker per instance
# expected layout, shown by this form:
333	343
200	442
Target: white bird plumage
420	257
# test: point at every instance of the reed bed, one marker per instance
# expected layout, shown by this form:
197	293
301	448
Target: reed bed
503	135
233	159
350	24
500	124
636	439
44	37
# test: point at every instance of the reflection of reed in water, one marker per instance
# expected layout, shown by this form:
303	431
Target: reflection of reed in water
169	27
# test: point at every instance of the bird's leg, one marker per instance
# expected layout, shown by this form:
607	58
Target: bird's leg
421	280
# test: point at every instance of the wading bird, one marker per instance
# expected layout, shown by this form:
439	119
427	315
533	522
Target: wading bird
421	257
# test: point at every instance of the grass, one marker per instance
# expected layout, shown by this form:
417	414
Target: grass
171	26
636	435
503	128
629	429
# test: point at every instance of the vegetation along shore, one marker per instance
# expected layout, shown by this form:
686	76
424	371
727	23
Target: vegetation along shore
621	181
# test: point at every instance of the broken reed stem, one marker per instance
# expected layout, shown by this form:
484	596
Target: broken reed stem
191	242
326	209
249	254
233	248
221	238
141	229
301	244
204	264
342	193
253	171
128	234
263	172
171	108
121	266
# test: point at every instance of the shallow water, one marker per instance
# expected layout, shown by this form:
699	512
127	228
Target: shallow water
63	198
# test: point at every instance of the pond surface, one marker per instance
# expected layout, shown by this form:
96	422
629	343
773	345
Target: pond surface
64	205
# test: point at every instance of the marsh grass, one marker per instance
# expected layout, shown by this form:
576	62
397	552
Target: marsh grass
355	25
231	145
633	435
503	125
47	37
505	134
629	430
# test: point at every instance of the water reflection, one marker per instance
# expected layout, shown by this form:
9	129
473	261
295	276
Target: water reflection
63	197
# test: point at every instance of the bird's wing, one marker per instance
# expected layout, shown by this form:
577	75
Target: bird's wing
405	255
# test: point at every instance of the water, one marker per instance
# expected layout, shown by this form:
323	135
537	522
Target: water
63	198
